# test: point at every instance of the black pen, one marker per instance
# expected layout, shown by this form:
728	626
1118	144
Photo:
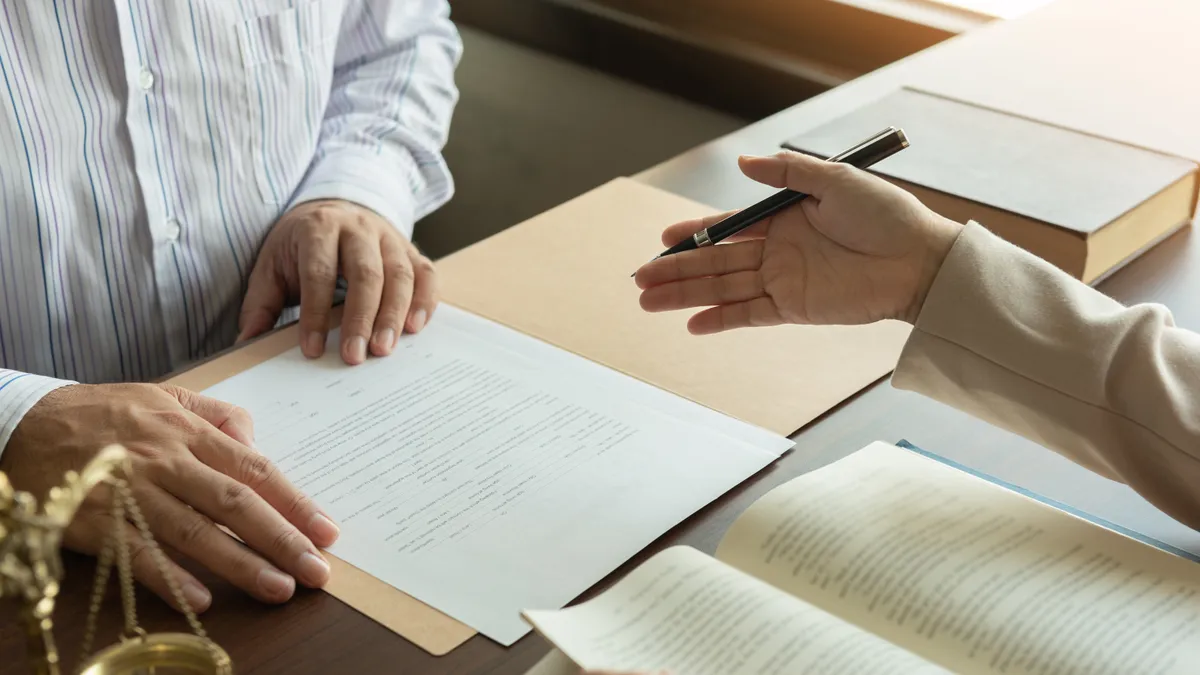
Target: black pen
876	148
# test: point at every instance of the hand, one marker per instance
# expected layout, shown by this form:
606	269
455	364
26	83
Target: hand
856	251
391	286
192	469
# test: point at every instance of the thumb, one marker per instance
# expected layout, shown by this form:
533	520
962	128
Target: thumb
265	296
231	420
792	170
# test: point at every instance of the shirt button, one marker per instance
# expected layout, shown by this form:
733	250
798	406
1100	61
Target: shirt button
145	79
171	230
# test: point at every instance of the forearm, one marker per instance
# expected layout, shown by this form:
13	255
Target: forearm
390	104
18	393
1014	341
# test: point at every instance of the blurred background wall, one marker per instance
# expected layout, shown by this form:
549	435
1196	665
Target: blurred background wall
559	96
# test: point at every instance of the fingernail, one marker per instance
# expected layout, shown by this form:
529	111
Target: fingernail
276	584
323	529
313	569
314	344
197	596
418	320
356	349
383	339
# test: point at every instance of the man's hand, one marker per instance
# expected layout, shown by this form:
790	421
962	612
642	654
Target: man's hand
192	469
391	286
857	251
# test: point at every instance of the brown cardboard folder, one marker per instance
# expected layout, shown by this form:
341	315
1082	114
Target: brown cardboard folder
563	277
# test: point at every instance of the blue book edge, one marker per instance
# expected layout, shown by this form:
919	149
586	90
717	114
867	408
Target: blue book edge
1050	502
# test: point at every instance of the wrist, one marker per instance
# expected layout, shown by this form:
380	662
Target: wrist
20	394
939	237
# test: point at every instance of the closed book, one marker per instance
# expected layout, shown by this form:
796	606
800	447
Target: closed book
1087	204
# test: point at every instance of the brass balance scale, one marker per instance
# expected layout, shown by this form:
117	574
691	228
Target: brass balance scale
31	571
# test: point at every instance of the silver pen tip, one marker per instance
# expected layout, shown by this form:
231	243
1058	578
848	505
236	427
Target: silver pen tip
646	263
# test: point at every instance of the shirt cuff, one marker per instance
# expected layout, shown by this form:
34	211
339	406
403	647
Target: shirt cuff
18	393
996	301
953	293
380	182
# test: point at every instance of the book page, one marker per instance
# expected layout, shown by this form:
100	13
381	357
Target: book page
968	574
484	472
688	613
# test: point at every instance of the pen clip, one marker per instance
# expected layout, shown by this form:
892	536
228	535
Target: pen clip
873	139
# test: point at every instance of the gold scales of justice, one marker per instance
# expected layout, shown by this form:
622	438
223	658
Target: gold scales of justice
31	571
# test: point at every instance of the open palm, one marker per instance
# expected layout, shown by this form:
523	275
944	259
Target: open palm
857	251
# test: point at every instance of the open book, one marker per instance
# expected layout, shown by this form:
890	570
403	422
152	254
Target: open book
891	562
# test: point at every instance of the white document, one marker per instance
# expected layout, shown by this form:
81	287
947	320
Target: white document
485	472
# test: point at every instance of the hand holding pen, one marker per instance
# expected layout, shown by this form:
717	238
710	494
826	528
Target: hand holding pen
861	250
871	151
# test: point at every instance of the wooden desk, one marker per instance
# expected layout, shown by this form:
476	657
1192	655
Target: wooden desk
317	634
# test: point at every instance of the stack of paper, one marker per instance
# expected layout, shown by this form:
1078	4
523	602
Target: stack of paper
484	472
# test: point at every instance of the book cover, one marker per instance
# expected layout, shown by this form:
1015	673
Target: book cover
1067	179
1108	525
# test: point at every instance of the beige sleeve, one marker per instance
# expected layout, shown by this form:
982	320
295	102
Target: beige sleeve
1014	341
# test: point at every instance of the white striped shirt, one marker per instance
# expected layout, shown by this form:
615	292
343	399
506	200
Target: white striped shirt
148	146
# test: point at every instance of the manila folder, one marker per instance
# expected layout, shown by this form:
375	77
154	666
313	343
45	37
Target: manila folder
563	277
